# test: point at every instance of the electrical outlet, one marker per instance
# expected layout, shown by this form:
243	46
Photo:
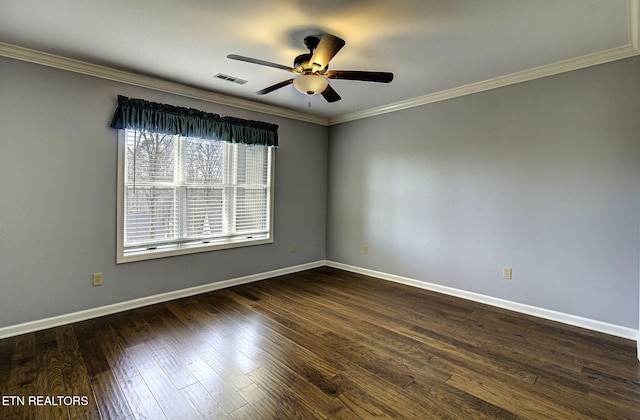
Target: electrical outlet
293	247
507	273
365	249
97	279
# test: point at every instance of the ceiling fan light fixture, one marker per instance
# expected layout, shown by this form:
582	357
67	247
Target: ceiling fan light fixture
310	84
312	69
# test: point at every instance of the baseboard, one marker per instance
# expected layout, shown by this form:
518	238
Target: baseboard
576	321
573	320
56	321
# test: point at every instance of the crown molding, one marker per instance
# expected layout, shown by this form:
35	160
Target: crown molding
76	66
51	60
630	50
519	77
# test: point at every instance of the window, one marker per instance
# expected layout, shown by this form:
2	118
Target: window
179	195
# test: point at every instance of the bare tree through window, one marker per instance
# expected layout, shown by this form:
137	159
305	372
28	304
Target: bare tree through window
151	187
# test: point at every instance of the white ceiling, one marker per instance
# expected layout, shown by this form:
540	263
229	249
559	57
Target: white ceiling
432	46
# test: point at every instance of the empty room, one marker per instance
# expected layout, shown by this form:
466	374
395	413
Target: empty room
353	209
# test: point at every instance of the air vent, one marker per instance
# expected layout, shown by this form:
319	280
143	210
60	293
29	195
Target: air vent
230	79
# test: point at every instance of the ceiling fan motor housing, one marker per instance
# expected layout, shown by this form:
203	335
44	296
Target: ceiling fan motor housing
302	61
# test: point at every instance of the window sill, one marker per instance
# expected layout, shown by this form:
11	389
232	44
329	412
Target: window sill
185	249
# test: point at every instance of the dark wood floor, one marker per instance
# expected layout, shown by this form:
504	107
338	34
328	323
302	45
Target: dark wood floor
322	343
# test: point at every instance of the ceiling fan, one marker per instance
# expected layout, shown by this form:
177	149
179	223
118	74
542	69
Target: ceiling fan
313	69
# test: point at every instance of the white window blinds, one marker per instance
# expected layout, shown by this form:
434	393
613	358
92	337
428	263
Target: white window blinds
183	195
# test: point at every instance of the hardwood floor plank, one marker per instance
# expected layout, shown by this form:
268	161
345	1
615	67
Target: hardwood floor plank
74	372
131	327
610	407
516	399
361	406
309	364
113	348
388	397
91	346
206	407
278	375
602	355
223	366
608	385
49	379
259	405
326	344
455	402
288	404
218	387
160	385
22	376
140	399
24	347
109	397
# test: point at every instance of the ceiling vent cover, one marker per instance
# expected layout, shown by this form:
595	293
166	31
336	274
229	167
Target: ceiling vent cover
230	79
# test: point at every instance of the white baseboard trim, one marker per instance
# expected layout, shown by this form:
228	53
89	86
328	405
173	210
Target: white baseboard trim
56	321
576	321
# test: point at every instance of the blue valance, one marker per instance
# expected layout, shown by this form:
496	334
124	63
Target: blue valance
138	114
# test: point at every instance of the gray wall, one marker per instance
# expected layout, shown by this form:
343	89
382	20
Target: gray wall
58	198
542	177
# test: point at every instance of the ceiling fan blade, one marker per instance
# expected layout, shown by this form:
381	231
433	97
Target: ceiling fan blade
330	95
260	62
366	76
327	48
274	87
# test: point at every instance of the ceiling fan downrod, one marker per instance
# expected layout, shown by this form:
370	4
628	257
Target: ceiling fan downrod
311	42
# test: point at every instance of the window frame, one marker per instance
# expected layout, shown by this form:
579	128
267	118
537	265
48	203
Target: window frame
124	256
